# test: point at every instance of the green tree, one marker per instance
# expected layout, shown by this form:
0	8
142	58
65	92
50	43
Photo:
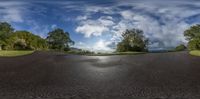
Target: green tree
26	40
5	31
132	40
194	44
59	40
180	47
20	44
193	36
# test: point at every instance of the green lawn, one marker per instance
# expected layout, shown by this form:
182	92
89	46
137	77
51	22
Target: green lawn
195	52
14	53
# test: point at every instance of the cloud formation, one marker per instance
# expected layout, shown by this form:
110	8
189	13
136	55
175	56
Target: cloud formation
162	22
90	27
11	11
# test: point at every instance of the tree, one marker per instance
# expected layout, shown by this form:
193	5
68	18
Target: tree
193	36
5	31
132	40
20	44
180	47
24	40
59	40
194	44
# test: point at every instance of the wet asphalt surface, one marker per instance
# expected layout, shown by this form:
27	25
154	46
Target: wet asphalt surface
45	75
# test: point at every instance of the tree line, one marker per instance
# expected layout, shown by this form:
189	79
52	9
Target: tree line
58	39
10	39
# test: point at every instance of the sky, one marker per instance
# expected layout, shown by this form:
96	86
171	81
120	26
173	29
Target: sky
97	25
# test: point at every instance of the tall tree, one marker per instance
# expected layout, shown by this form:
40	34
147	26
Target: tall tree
5	31
59	40
193	36
132	40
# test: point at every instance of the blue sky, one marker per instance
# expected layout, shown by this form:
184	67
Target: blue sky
98	24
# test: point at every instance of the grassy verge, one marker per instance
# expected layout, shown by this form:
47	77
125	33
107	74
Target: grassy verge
195	52
14	53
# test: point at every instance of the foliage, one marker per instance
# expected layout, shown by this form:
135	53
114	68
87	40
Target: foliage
132	40
81	52
14	53
24	40
194	44
193	36
20	44
59	40
5	31
181	47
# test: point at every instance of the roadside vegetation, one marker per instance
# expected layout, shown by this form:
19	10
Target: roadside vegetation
178	48
14	53
193	36
13	43
81	52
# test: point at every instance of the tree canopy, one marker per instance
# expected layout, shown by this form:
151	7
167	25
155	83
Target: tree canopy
5	31
24	40
58	39
193	36
180	47
132	40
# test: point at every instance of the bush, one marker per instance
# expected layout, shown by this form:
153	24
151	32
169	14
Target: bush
194	45
20	44
180	48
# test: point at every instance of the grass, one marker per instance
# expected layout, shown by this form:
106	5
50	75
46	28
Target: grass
195	52
14	53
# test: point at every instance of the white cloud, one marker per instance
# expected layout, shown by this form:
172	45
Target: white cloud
91	29
12	11
94	27
127	14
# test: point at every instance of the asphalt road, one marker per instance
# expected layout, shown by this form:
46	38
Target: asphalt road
45	75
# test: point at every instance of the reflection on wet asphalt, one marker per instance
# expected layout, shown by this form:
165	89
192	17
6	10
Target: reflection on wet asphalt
46	75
